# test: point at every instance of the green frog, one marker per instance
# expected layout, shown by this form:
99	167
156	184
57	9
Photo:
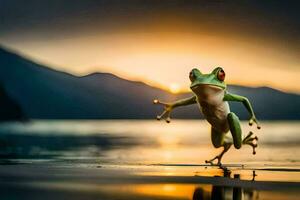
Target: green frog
209	92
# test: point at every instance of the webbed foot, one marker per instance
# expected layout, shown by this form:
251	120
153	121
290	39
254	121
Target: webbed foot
252	141
211	161
167	111
219	157
254	120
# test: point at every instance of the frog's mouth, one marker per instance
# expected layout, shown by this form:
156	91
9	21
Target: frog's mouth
204	86
196	86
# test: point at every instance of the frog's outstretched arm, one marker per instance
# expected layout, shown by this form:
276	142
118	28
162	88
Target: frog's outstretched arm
170	106
245	101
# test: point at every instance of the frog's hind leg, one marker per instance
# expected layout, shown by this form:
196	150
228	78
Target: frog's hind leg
236	131
218	140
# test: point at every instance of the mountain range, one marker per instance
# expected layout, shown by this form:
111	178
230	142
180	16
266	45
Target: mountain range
41	92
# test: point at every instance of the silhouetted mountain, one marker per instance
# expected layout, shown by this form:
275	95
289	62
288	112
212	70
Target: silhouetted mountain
9	109
49	94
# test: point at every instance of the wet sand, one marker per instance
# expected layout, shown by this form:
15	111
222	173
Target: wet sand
61	180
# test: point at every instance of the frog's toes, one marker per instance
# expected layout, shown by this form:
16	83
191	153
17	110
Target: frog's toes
245	140
250	122
253	145
168	119
249	140
258	127
252	141
155	101
253	149
212	163
208	161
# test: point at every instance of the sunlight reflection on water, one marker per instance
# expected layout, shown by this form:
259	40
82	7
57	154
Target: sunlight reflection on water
147	141
86	156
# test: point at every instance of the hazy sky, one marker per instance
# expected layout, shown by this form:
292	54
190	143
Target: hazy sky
160	41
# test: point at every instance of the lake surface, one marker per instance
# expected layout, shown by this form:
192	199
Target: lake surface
144	159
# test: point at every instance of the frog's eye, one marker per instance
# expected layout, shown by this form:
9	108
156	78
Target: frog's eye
192	76
221	75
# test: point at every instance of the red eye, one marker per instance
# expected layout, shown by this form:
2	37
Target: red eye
192	76
221	75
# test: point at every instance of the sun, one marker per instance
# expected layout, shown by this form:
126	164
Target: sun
174	88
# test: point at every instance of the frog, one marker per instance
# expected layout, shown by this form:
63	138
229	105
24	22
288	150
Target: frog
211	95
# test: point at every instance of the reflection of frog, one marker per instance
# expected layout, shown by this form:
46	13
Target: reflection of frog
211	95
221	192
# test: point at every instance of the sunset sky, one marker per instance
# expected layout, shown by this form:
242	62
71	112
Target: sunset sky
160	41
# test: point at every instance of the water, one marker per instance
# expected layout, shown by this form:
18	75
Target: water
143	142
33	151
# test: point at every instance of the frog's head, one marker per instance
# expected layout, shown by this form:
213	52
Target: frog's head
215	78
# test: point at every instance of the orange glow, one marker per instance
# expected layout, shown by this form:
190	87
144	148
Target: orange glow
164	59
174	88
169	190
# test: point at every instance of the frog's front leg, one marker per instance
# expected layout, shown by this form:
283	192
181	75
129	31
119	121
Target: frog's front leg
168	107
236	132
246	103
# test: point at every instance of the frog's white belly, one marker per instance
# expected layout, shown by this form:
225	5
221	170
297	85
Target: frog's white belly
214	109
